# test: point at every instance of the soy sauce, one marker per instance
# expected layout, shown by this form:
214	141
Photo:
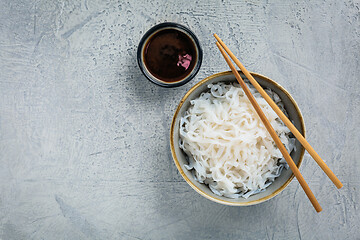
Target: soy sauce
170	55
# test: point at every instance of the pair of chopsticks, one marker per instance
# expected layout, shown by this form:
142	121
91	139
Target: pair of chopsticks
222	47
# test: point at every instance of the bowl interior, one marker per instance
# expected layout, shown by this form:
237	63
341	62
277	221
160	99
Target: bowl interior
180	158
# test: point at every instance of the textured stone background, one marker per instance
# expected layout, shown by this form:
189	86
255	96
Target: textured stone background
84	137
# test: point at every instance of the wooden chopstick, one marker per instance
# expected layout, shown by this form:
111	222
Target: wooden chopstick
282	116
273	134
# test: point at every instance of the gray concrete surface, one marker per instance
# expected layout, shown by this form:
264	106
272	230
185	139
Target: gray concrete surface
84	137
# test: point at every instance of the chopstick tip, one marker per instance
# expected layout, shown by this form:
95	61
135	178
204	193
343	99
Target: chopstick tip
218	45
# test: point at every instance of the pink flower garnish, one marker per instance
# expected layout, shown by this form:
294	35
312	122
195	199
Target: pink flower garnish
184	61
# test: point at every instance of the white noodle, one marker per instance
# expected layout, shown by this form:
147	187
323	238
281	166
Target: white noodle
228	147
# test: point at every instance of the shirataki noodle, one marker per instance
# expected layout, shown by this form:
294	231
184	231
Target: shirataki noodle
227	146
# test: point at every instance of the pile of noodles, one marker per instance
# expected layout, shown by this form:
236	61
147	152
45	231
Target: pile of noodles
228	147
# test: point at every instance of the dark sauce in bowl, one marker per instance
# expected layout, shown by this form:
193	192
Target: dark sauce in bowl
170	55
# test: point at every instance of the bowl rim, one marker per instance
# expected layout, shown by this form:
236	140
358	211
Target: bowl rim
201	192
179	27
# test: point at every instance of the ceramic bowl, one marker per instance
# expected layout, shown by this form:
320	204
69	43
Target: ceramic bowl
180	158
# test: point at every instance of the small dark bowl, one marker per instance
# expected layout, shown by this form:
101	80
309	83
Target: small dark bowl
143	43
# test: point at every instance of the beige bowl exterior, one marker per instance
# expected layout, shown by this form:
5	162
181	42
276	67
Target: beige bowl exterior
180	159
